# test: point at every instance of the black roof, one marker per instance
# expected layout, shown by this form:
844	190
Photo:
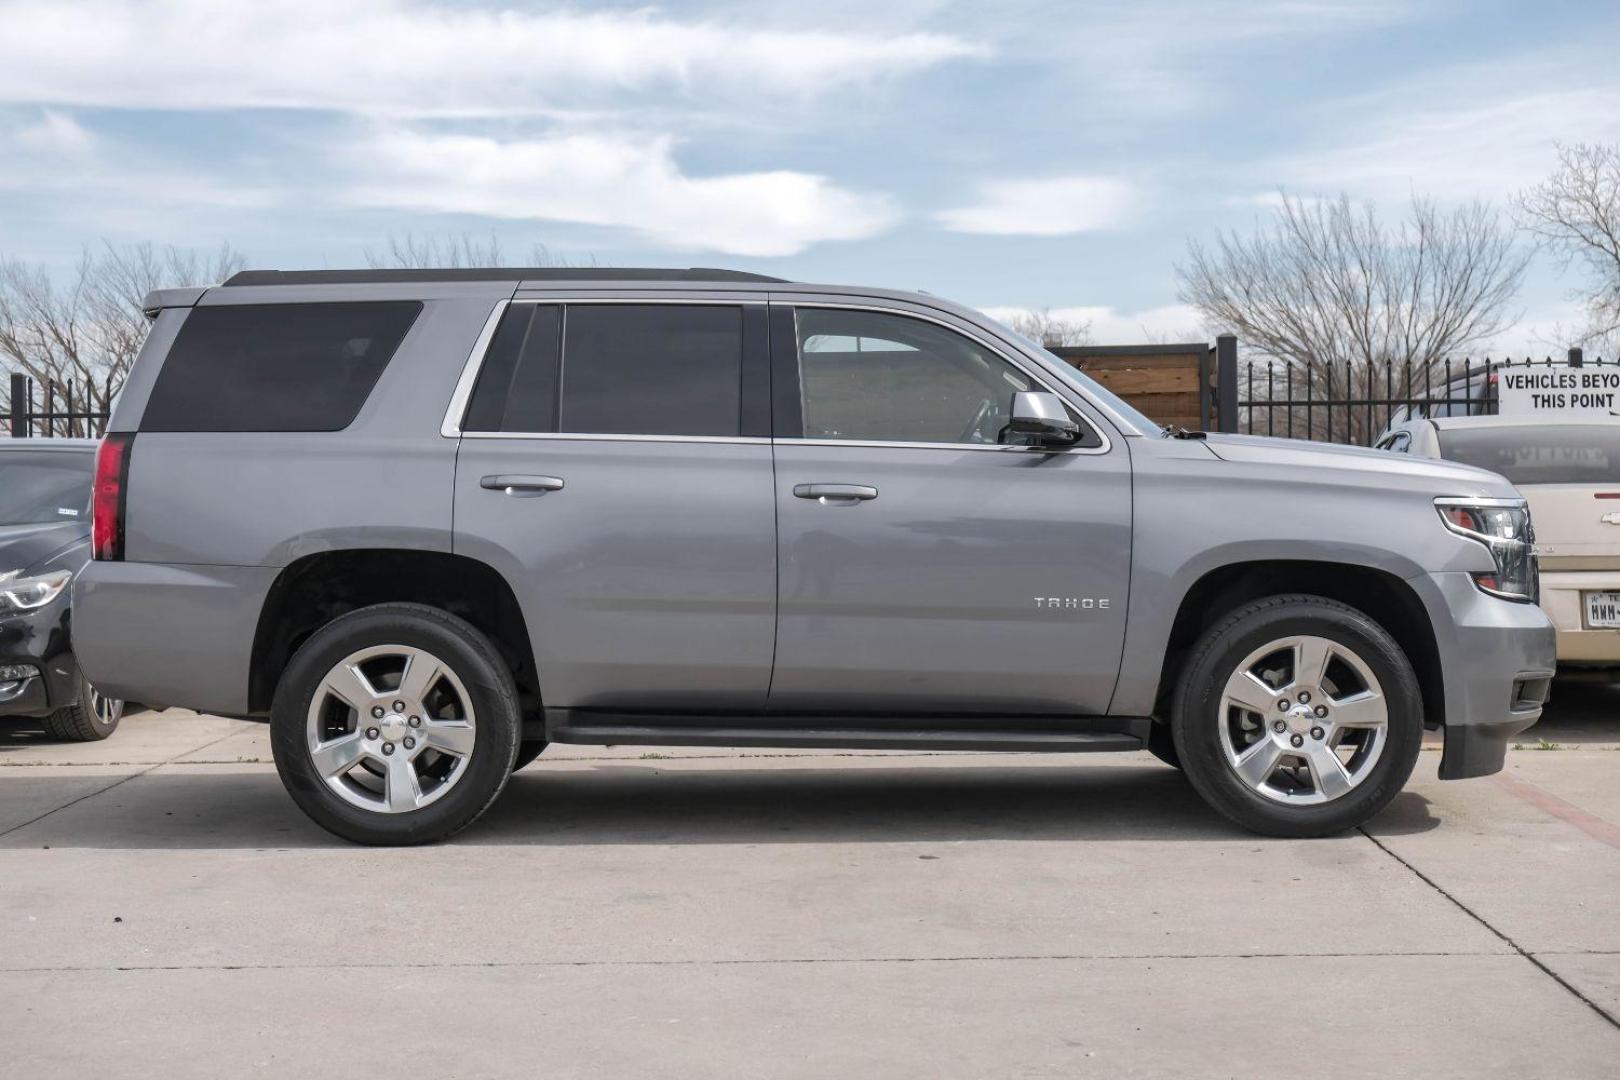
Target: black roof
501	273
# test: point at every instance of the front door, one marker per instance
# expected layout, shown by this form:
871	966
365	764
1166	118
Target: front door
925	565
614	467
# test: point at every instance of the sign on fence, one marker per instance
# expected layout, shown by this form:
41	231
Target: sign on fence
1558	389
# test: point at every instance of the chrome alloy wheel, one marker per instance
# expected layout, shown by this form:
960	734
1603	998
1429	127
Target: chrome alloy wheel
106	710
1303	720
391	729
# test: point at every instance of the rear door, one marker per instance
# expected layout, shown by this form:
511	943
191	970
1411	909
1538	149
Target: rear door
615	466
926	565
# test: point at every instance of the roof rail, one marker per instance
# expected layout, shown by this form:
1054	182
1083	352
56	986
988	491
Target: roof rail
494	273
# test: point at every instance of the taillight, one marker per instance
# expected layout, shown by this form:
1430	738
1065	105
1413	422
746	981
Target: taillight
110	498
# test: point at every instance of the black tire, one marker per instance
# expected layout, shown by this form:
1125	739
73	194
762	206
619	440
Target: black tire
474	661
81	721
528	750
1197	731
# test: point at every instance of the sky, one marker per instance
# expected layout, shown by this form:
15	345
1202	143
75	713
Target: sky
1007	155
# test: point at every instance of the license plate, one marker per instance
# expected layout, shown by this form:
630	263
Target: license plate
1602	610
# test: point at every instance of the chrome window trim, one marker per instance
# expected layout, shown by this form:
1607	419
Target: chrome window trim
457	409
597	436
993	349
450	428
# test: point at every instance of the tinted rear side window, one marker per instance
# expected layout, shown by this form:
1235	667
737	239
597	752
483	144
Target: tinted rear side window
616	369
652	369
517	386
276	367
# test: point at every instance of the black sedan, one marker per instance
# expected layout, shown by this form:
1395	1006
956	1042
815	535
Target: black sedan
44	541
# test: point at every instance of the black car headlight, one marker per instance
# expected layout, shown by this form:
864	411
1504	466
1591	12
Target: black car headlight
1503	526
29	593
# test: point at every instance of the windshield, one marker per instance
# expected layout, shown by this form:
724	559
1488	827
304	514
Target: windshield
1573	454
45	487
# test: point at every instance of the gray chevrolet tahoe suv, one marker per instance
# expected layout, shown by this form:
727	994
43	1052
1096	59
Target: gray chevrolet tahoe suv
427	522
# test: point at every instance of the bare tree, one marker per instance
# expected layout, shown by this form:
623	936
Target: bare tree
88	328
1040	325
1575	212
409	252
1330	290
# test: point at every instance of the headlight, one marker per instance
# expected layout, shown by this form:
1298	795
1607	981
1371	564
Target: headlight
27	594
1503	526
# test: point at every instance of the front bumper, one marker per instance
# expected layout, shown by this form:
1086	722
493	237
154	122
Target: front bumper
1497	659
1561	597
38	639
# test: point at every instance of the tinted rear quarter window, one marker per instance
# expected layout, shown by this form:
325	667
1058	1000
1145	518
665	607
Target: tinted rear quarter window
276	367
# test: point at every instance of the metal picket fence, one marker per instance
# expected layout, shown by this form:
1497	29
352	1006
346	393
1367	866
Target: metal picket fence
1353	403
70	409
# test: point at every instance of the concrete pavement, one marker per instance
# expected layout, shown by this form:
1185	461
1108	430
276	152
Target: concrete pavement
169	912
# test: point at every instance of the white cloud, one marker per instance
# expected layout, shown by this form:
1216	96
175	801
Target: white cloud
53	133
1161	57
416	57
1468	132
621	181
1109	326
51	152
1053	207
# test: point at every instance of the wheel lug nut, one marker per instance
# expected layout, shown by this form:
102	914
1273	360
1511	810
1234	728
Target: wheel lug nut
1279	727
416	721
1304	697
1321	711
377	712
399	706
1283	704
372	733
388	747
1316	733
410	743
1297	740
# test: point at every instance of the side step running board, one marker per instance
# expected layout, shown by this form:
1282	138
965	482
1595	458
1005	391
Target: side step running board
591	731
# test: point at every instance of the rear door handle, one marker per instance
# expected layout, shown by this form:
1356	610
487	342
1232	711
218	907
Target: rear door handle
835	493
522	487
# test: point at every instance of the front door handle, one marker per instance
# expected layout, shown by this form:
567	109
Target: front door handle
835	493
522	487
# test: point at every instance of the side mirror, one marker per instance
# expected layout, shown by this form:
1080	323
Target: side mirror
1043	416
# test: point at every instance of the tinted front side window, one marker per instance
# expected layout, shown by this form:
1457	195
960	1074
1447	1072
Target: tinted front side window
872	376
276	367
49	487
615	369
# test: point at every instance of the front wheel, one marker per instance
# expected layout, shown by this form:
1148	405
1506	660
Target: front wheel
395	724
93	717
1298	716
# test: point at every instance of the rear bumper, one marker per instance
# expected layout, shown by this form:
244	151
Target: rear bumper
169	635
1561	597
1498	659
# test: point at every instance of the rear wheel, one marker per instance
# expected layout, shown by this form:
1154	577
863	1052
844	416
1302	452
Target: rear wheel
94	716
1298	716
395	724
